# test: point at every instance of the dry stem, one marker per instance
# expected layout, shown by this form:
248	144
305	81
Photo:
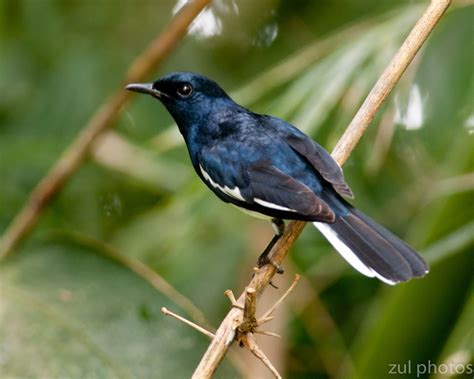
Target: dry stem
250	343
199	328
226	332
268	314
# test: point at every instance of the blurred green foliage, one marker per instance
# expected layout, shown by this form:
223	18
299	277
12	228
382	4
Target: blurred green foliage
68	310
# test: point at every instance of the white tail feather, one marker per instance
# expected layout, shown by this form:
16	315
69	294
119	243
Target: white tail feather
347	253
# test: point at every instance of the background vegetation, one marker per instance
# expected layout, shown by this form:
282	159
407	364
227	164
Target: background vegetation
68	310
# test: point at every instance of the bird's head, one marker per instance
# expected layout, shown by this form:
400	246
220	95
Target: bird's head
189	97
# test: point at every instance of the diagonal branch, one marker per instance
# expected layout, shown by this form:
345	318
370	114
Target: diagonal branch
77	152
225	334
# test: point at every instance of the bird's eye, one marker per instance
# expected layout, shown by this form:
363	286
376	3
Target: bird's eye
184	91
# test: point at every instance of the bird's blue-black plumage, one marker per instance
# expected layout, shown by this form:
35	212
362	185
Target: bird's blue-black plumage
258	160
265	165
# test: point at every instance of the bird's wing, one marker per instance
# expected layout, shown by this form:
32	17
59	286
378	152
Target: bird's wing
271	188
259	185
321	160
221	169
312	152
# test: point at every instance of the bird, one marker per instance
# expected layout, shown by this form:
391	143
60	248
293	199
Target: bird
270	169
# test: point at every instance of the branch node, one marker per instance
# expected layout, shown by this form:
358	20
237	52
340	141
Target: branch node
264	320
249	322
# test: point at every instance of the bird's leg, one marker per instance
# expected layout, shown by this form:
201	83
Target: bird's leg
264	258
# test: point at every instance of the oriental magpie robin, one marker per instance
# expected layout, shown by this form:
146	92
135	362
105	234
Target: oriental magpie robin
267	167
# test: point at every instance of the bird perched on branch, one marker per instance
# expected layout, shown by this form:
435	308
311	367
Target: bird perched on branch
267	167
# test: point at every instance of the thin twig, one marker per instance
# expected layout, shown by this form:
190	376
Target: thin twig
193	325
267	315
267	333
103	118
251	344
230	295
226	331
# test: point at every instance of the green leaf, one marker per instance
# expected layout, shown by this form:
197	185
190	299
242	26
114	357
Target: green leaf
67	311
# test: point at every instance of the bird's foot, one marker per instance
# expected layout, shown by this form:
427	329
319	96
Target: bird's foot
265	257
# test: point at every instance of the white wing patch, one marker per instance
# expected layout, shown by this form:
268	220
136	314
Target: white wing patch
232	192
348	254
273	206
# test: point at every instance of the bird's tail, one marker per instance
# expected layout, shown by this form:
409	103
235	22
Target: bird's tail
371	249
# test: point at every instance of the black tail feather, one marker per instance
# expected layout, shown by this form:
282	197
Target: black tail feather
361	241
417	264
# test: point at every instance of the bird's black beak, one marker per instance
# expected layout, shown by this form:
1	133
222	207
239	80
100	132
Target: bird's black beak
145	88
